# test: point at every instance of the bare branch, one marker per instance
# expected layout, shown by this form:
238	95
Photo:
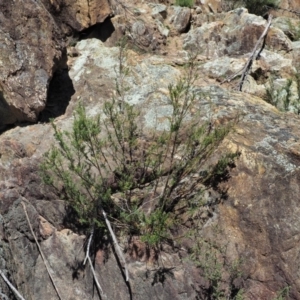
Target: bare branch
87	258
15	291
254	55
116	244
88	246
40	250
94	275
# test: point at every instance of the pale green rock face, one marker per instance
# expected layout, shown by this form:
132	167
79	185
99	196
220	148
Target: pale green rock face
146	83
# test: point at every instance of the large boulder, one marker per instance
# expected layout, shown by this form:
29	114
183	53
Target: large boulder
32	39
31	46
180	18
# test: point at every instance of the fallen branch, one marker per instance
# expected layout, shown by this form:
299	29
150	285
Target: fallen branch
95	277
88	246
40	250
254	55
116	244
14	290
87	258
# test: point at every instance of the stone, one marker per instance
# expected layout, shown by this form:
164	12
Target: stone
288	8
296	54
211	6
180	18
77	14
31	47
162	29
236	34
159	12
198	10
290	26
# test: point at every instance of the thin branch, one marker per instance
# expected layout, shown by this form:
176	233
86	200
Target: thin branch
87	258
94	275
254	55
15	291
230	78
88	246
116	244
40	250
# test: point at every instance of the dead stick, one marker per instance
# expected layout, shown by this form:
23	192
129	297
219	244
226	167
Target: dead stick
253	55
117	246
40	250
88	246
15	291
87	258
244	69
95	277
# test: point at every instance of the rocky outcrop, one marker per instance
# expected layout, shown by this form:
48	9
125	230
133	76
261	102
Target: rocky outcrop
258	219
250	217
181	18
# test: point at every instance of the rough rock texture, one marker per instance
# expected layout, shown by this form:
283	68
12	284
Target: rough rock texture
33	47
236	34
30	48
181	18
77	14
290	8
257	227
257	221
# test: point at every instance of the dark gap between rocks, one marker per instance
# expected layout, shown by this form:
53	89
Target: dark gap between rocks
188	28
60	92
101	31
61	88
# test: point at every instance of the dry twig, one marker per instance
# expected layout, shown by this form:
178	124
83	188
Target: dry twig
116	244
87	258
15	291
40	250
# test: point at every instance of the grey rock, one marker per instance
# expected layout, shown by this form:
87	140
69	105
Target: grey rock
159	12
180	18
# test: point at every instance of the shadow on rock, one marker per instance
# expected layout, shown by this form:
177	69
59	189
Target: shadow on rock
60	91
100	31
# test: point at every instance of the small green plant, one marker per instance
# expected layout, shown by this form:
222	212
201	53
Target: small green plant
294	30
283	294
283	98
210	258
185	3
272	93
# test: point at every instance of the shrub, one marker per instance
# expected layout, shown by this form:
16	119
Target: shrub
185	3
107	165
